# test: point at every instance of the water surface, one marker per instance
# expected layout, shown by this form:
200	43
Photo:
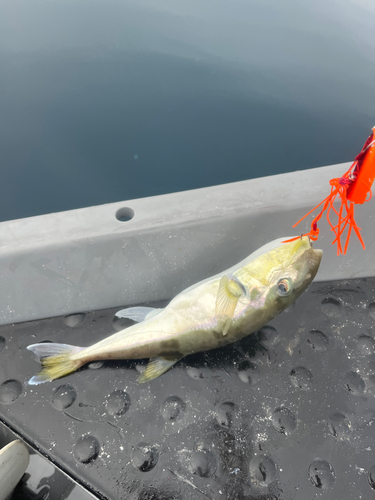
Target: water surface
104	101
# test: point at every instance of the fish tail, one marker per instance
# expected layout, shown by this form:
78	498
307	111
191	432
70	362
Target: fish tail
57	360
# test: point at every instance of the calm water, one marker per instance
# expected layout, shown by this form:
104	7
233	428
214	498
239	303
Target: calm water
109	100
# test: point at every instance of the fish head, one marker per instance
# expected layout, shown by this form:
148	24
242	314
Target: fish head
286	271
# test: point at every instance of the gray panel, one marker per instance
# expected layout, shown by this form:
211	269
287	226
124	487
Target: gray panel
87	259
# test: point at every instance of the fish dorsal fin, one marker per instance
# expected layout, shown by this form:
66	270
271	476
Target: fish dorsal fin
156	367
138	314
230	290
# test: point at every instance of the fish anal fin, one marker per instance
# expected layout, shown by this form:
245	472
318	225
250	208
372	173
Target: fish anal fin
156	367
230	290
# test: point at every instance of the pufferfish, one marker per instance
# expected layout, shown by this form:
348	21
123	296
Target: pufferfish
210	314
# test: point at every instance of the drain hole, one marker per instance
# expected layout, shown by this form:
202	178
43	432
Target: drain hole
124	214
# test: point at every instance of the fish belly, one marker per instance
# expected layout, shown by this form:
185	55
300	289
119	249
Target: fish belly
187	325
171	335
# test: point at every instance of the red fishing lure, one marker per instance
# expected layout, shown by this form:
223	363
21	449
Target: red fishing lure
353	187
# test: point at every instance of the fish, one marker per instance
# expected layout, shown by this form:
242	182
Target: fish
212	313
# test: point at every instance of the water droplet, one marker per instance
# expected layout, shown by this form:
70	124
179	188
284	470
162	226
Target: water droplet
2	343
202	463
10	390
339	426
118	403
283	420
354	383
86	449
317	340
247	372
145	457
331	307
226	412
263	469
321	474
301	378
63	397
172	408
73	320
366	345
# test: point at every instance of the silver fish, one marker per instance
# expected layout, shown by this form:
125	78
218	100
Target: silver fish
207	315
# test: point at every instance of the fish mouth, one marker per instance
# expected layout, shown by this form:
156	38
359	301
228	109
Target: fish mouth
317	251
316	258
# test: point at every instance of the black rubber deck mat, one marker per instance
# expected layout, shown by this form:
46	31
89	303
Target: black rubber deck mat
287	413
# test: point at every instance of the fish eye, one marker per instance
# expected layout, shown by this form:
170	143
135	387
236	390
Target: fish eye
283	287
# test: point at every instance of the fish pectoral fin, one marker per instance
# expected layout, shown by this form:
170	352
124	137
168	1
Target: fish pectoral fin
156	367
137	314
230	290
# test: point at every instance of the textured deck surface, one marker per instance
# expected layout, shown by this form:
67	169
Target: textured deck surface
287	413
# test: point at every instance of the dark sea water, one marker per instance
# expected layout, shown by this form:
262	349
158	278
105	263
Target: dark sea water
109	100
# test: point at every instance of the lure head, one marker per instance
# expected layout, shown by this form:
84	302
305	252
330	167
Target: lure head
284	270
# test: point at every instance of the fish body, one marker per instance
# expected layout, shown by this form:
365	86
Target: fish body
212	313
